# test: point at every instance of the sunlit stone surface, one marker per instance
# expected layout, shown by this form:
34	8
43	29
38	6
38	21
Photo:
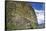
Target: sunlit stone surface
19	15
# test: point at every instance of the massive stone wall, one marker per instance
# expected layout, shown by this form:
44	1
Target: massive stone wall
19	15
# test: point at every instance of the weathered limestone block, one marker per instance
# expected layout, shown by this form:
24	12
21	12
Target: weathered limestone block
19	15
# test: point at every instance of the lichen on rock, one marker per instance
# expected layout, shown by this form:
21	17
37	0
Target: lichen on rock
19	15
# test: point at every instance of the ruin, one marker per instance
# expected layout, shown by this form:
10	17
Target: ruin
19	15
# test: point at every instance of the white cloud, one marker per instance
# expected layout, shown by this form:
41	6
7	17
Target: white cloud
40	16
45	16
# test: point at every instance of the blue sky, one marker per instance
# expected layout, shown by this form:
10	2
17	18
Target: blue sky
38	6
39	9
